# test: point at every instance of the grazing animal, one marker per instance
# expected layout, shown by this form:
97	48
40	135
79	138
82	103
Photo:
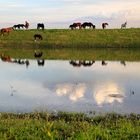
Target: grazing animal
26	25
78	24
38	54
6	30
40	26
104	25
88	24
74	25
40	62
19	26
124	25
38	36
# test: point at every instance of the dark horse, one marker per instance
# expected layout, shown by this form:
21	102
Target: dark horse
38	36
124	25
88	24
40	26
104	25
19	26
26	25
6	30
74	25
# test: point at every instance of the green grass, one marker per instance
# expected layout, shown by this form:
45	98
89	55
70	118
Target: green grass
69	126
111	44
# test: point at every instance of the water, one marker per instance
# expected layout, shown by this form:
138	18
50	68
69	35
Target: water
110	86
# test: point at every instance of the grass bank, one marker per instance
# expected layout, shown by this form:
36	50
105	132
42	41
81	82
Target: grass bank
64	126
110	44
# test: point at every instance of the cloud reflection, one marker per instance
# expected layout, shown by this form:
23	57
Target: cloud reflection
108	93
74	92
63	89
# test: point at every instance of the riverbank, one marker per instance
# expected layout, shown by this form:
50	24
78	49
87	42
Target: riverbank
69	126
111	44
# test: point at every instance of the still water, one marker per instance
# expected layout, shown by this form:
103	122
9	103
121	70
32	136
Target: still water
110	86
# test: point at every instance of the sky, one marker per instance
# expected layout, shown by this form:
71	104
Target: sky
62	13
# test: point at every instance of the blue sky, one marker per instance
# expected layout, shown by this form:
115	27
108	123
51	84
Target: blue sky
61	13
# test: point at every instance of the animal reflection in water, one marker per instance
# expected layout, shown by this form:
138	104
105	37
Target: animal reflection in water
38	54
38	37
104	63
41	62
6	30
76	63
85	63
7	58
88	63
22	62
79	63
88	24
123	62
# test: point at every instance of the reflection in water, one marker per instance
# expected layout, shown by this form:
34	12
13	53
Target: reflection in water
21	62
7	58
40	62
59	86
79	63
88	63
104	63
123	62
75	63
64	89
74	92
108	93
38	54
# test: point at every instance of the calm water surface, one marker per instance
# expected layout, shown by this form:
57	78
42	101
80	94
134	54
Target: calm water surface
68	86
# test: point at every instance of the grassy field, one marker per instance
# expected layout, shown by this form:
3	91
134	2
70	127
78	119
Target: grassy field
63	126
113	44
110	44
